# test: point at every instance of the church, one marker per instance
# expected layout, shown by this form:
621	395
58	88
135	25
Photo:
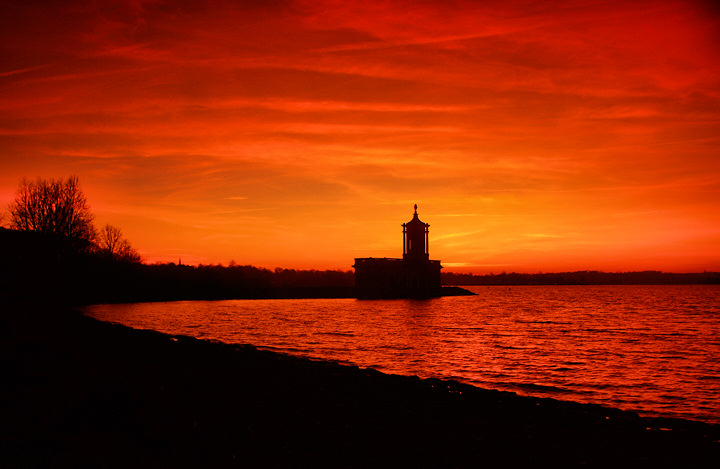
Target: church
413	276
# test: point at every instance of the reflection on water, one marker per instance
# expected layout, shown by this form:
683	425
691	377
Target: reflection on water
654	349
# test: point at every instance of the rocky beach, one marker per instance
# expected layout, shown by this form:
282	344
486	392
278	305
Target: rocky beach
77	392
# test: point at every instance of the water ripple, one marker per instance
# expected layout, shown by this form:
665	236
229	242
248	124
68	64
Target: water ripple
652	349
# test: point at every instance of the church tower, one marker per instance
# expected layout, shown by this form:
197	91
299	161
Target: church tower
413	276
415	239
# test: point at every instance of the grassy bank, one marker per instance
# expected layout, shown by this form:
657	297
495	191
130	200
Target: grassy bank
77	392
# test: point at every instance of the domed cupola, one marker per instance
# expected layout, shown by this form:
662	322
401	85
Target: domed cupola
415	239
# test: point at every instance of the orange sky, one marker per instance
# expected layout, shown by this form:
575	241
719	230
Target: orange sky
534	136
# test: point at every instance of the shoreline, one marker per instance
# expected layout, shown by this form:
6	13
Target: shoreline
84	392
273	293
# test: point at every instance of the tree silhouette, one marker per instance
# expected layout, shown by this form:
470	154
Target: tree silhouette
55	208
111	244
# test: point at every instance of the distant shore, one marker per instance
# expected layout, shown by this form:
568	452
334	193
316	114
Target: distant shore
583	277
79	392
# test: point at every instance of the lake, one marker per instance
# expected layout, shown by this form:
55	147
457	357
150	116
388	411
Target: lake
651	349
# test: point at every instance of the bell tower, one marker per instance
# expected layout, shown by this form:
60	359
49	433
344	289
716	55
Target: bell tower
415	239
413	276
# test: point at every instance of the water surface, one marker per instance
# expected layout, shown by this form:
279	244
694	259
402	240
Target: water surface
652	349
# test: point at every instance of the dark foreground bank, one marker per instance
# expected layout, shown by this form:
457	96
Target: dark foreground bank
76	392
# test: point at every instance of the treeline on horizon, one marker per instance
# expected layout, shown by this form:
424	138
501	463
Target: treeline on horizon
584	277
53	252
31	269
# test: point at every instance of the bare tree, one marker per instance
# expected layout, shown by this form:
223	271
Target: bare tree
111	244
108	239
52	207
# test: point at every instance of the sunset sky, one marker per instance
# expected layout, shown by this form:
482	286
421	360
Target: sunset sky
534	136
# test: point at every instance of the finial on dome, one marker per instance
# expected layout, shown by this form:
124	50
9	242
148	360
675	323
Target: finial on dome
415	209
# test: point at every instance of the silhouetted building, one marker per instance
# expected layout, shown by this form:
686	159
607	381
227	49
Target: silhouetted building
413	276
